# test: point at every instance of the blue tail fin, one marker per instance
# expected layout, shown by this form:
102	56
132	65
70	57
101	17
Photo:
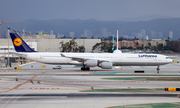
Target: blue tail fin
19	44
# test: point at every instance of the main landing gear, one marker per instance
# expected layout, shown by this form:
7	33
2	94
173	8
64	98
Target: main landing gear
158	69
85	68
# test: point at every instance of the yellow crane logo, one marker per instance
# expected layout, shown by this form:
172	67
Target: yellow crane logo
17	42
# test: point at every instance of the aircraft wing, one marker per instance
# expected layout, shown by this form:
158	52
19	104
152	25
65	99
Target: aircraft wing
75	58
79	59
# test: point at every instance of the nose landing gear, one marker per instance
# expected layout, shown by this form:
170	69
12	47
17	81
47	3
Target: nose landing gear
158	69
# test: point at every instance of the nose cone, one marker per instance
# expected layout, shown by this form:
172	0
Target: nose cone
171	60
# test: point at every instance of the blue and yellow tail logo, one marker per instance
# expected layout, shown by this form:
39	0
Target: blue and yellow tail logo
17	42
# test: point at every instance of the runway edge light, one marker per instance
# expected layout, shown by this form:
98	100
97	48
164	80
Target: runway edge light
17	67
171	89
43	66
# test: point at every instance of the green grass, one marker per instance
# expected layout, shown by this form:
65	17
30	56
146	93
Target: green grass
152	105
146	78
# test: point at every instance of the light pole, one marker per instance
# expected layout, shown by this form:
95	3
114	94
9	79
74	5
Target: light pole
8	45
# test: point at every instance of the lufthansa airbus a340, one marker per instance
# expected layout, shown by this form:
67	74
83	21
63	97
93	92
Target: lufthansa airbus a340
87	60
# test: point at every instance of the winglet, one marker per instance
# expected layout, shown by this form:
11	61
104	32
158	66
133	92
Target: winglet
19	44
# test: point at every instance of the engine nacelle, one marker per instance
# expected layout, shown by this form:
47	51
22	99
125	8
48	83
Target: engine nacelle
91	63
106	65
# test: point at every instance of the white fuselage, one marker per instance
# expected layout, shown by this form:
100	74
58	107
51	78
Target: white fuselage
116	59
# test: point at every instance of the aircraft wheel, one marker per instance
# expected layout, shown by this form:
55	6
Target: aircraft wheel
83	68
87	68
158	69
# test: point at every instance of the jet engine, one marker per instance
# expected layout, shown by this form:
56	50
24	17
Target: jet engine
106	65
91	63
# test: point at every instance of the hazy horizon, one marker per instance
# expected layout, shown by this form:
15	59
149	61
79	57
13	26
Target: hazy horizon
105	10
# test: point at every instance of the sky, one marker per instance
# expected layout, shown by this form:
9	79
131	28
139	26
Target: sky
106	10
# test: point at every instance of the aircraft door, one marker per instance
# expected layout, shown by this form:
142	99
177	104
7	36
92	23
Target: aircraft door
159	58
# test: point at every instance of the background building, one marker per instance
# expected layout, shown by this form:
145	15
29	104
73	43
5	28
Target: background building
87	33
47	45
104	32
154	43
134	44
71	34
170	34
53	45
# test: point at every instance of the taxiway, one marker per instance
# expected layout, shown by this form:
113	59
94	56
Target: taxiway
72	88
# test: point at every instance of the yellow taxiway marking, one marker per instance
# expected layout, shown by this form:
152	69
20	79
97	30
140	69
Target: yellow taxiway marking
22	83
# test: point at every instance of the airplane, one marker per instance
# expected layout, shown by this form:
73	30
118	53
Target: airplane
87	60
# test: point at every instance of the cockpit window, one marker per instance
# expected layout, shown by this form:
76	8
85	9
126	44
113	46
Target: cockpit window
167	58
